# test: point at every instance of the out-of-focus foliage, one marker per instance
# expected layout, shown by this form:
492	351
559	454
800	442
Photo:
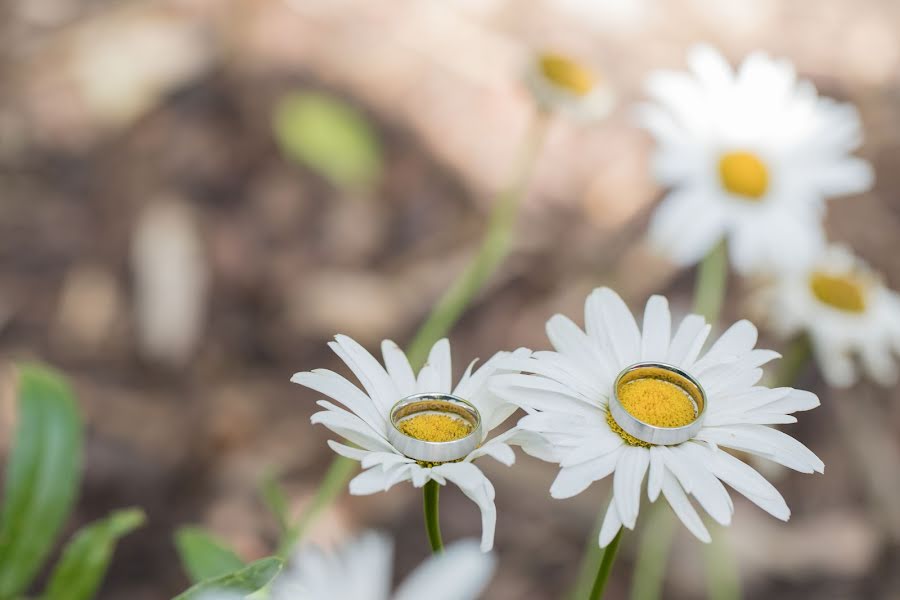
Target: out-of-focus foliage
203	556
330	137
42	476
42	480
86	558
247	580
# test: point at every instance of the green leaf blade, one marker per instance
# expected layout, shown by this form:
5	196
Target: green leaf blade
248	580
203	556
84	562
42	477
330	137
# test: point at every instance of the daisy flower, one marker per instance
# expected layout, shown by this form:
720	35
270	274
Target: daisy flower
616	401
845	309
562	83
361	570
415	428
750	155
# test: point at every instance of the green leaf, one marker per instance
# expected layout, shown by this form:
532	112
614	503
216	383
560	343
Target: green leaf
251	578
203	556
84	562
330	137
42	477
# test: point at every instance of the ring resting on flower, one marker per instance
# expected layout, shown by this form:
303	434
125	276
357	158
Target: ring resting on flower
435	428
656	404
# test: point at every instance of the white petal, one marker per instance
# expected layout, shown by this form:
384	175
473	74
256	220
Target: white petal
655	473
737	341
374	480
439	359
611	525
340	389
352	428
657	329
682	507
568	339
439	577
398	368
539	393
370	373
608	318
747	481
477	488
429	380
688	341
573	480
686	209
630	470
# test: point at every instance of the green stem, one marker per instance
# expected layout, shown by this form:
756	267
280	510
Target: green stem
494	248
723	581
795	359
609	557
657	533
709	288
335	480
590	562
656	541
430	495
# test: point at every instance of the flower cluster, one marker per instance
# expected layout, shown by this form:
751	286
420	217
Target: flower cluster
751	156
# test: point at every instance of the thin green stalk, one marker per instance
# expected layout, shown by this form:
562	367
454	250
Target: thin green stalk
335	480
494	248
590	562
712	279
656	541
723	582
795	359
430	495
609	557
657	533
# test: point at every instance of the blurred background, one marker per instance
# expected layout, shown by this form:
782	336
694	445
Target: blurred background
168	242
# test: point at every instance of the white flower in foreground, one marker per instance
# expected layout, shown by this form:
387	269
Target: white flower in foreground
568	401
561	83
361	570
750	156
845	309
367	420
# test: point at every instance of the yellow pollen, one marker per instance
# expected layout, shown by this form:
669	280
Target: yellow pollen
847	293
656	402
567	74
434	427
744	174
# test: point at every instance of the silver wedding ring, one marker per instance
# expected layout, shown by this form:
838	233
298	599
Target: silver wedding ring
652	434
434	452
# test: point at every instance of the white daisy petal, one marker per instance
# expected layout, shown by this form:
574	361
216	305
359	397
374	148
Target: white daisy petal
479	490
371	375
679	502
439	360
334	386
352	428
630	470
375	480
572	427
439	577
612	524
688	341
398	368
657	329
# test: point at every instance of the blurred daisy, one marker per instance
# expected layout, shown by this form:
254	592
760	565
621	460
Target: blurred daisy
561	83
750	156
845	309
368	421
361	570
603	410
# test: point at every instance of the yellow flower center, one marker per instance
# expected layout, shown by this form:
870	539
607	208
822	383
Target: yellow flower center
847	293
744	174
654	401
435	427
567	74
